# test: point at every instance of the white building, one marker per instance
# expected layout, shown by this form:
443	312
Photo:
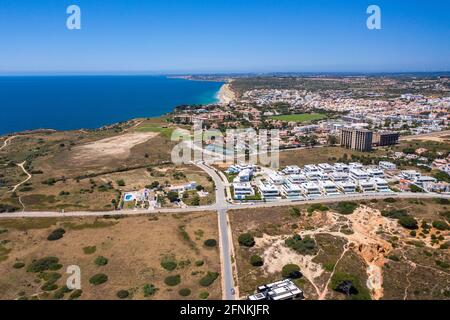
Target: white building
347	187
340	167
329	188
325	167
268	191
355	165
277	291
310	168
297	178
358	174
244	175
410	174
422	180
310	189
276	179
242	190
339	176
386	165
291	191
367	185
375	173
381	185
291	170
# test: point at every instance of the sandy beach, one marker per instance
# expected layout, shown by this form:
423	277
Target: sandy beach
226	95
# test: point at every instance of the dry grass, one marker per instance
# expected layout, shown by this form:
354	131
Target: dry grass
134	247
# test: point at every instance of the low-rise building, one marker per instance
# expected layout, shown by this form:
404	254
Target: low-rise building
310	189
347	187
242	190
359	174
297	178
329	188
280	290
291	191
386	165
367	185
381	185
268	191
292	170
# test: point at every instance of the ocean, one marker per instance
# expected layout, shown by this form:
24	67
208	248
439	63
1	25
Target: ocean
75	102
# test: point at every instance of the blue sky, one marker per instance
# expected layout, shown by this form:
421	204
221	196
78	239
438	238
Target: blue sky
184	36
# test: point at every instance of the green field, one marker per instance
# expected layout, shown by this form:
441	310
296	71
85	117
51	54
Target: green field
301	117
163	129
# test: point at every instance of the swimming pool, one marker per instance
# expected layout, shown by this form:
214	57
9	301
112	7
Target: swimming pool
128	197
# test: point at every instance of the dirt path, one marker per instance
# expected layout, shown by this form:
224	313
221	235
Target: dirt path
324	292
21	166
7	142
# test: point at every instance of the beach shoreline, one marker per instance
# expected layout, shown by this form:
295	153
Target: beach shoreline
226	94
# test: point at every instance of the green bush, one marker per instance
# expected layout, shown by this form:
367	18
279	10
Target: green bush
256	261
18	265
121	183
295	212
169	263
390	200
184	292
408	223
415	189
199	263
208	279
346	207
43	264
49	286
442	201
203	295
362	293
89	250
75	294
101	261
172	281
246	239
441	225
291	271
317	206
59	294
210	243
122	294
149	290
306	245
442	264
98	279
56	234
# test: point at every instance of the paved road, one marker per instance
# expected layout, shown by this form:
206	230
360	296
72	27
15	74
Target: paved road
224	232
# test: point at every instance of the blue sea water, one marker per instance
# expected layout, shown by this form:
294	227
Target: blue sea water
74	102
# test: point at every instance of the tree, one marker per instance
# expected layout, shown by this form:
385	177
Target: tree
246	239
172	196
408	222
291	271
256	261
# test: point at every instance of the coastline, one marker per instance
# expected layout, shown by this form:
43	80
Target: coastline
226	94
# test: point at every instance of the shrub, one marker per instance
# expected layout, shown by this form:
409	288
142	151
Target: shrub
49	286
169	263
295	212
317	206
246	239
303	246
208	279
349	285
75	294
442	201
408	222
149	290
199	263
256	261
56	234
59	294
413	233
18	265
442	264
203	295
291	271
89	250
172	281
122	294
393	257
98	279
441	225
43	264
346	207
121	183
101	261
390	200
184	292
210	243
415	189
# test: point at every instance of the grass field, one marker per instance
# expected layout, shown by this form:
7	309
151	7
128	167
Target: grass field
301	117
135	248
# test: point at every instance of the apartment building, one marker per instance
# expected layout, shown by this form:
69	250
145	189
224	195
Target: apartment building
385	138
356	139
